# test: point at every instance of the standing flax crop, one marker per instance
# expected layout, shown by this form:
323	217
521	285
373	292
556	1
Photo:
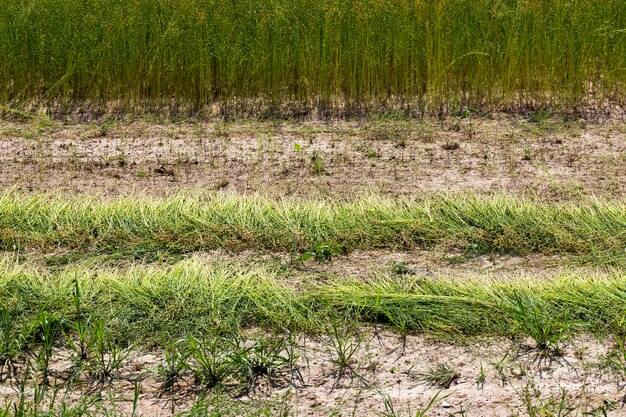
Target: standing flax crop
339	55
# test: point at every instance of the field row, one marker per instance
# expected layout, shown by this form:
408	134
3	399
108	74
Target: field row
112	305
288	374
194	336
542	155
284	57
591	231
155	304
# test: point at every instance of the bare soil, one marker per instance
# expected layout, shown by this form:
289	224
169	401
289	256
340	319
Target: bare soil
553	159
518	379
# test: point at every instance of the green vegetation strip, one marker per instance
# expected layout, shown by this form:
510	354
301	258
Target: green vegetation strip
332	55
593	231
158	304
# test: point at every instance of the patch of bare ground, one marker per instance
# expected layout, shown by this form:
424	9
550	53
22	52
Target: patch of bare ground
431	264
490	377
554	159
435	264
364	264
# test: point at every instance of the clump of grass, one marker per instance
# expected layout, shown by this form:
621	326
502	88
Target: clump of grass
442	375
322	252
46	332
212	362
344	344
553	406
172	369
546	329
481	378
108	355
500	368
80	337
43	402
615	359
402	268
10	345
217	361
317	163
421	411
266	358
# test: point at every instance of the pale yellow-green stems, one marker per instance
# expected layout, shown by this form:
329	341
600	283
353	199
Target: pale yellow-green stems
158	303
591	231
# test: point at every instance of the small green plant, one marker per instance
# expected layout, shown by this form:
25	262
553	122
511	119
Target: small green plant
321	252
367	150
528	155
401	321
500	368
122	158
293	354
463	113
423	411
80	341
42	401
463	412
211	360
390	411
221	184
343	342
551	407
402	268
222	130
263	359
108	357
481	377
136	391
174	365
540	117
371	153
615	359
9	344
317	163
43	333
442	375
603	409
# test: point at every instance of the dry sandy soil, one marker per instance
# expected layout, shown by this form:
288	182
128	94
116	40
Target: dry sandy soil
518	380
554	159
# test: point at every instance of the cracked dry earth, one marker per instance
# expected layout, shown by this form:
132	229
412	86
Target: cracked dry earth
388	373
